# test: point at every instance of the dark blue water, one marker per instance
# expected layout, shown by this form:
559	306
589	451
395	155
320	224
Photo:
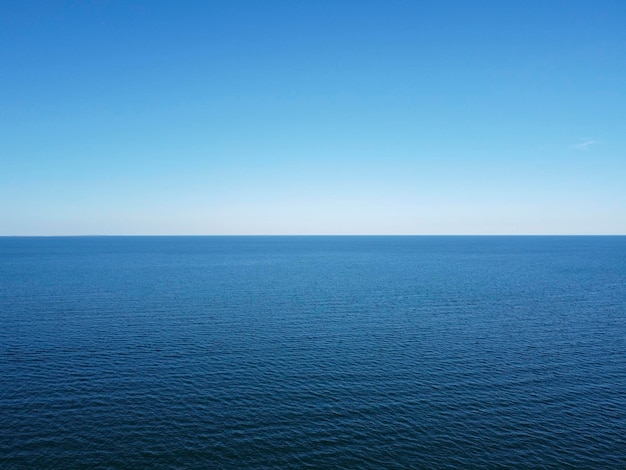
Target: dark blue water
322	352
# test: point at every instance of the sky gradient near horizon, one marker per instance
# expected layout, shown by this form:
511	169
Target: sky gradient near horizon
312	117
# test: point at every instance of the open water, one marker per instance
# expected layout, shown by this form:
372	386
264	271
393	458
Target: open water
319	352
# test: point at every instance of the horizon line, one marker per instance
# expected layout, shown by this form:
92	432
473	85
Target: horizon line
324	235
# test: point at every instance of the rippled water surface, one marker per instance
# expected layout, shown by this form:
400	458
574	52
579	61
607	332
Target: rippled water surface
322	352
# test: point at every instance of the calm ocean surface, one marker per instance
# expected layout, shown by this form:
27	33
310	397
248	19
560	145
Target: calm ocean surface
320	352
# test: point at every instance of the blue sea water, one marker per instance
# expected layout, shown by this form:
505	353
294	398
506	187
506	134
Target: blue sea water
319	352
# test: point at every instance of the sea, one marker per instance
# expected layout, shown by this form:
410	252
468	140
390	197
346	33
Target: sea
313	352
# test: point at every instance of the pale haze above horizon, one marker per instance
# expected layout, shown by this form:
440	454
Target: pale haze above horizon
312	117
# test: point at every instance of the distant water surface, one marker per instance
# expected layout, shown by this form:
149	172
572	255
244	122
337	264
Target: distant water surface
319	352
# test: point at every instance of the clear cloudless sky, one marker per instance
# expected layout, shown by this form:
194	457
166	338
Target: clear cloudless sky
312	117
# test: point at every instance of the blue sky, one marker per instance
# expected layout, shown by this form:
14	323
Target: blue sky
312	117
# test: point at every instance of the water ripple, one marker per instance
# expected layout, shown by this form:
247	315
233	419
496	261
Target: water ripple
313	352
